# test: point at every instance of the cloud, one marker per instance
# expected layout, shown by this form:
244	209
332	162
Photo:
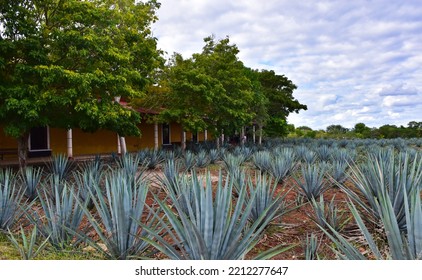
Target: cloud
353	61
398	90
399	101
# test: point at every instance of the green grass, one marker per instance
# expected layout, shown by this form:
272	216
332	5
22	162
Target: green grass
9	252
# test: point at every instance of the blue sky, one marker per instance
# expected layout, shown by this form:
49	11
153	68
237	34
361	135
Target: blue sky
353	61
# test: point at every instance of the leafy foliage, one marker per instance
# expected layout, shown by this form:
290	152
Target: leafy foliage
63	62
278	90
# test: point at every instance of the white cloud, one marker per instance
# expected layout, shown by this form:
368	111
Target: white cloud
400	90
352	61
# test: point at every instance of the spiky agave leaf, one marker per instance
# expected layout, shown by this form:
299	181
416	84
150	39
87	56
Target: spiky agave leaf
262	160
328	214
11	199
312	183
282	166
62	215
119	211
60	166
28	248
202	159
337	172
214	155
402	246
132	167
311	247
189	160
323	152
215	227
88	180
232	162
31	177
386	173
265	198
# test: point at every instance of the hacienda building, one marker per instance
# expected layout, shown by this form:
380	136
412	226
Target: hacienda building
48	141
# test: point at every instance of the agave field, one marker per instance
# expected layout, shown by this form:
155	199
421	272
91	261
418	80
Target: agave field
285	199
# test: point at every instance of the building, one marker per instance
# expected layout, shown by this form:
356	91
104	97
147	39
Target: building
48	141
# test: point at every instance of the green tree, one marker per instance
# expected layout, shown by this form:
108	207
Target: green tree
62	63
278	90
232	107
210	90
336	129
389	131
361	130
190	94
415	125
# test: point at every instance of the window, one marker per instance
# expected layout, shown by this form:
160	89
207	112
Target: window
166	134
39	139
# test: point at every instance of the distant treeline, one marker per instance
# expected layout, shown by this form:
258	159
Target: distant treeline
360	130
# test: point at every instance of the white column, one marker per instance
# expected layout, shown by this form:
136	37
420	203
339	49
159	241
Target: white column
183	140
123	145
69	143
254	133
156	136
205	135
119	146
242	136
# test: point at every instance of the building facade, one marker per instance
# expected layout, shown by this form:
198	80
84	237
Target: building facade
48	141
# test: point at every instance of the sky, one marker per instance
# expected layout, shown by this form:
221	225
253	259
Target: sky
352	61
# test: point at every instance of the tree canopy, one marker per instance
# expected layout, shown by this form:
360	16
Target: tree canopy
278	90
361	130
62	63
214	90
207	91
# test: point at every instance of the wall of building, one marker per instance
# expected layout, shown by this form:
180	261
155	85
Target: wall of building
7	142
103	141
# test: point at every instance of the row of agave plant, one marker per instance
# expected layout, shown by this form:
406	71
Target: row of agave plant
194	218
191	220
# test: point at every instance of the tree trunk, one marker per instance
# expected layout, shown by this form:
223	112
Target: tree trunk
23	149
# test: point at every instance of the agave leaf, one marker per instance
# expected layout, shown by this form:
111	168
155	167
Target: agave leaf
273	252
371	243
27	249
212	227
119	210
414	225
